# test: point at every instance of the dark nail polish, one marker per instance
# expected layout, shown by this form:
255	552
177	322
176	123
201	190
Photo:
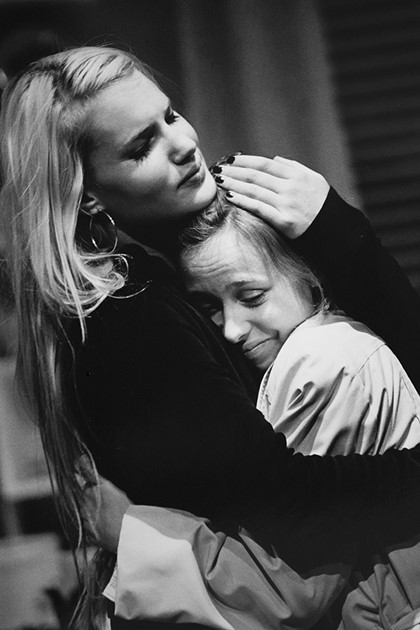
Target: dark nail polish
218	179
229	194
230	159
216	169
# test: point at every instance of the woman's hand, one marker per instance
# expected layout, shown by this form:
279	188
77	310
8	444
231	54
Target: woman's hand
103	509
285	193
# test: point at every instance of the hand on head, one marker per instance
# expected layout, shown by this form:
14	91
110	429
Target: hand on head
285	193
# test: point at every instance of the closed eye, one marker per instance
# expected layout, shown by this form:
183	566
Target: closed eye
139	146
141	152
142	145
253	297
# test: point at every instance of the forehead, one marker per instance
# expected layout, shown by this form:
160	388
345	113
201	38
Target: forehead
125	107
225	258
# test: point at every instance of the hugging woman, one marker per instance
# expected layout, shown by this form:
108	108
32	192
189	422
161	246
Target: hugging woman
119	365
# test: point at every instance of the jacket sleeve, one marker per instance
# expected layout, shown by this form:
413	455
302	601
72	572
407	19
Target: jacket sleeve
171	566
364	279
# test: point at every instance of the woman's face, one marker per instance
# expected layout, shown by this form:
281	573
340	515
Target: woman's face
145	167
248	298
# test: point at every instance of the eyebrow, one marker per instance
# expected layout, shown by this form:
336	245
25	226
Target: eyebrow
200	294
144	134
241	283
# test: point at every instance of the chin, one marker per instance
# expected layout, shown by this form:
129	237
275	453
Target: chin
198	199
263	366
206	193
266	362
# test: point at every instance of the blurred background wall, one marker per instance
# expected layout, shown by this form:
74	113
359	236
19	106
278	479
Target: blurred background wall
332	83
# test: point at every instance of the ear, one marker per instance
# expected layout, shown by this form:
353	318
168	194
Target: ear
90	204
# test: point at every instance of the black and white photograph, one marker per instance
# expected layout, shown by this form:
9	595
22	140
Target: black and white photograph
209	315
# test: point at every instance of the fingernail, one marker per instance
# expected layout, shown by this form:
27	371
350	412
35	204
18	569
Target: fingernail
230	159
225	158
218	179
216	169
229	194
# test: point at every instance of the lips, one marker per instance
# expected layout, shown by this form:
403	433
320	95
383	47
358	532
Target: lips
191	173
263	353
250	349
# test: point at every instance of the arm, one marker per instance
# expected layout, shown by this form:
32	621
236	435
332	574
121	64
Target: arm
166	551
171	566
172	427
210	578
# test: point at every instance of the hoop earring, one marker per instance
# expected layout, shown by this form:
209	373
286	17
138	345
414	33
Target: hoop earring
141	289
94	216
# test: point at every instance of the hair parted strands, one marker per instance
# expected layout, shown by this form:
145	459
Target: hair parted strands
252	232
45	143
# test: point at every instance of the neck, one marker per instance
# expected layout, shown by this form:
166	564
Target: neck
162	239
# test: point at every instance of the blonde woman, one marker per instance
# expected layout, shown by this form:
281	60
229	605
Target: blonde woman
114	360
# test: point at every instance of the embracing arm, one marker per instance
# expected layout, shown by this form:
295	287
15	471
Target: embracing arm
172	566
172	427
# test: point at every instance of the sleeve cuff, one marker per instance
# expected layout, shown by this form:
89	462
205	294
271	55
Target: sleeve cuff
158	577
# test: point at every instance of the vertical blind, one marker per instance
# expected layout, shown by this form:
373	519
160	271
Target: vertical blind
374	49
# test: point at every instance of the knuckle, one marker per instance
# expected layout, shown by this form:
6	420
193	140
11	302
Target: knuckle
250	176
288	201
258	210
252	191
267	164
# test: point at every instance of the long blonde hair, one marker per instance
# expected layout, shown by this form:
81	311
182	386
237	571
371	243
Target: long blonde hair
45	142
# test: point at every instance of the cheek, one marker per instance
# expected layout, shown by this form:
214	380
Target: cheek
275	318
151	181
139	184
289	317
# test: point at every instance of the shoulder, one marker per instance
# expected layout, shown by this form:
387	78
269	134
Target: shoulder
152	296
154	330
327	345
147	326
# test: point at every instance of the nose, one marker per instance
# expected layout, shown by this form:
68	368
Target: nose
235	327
182	146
